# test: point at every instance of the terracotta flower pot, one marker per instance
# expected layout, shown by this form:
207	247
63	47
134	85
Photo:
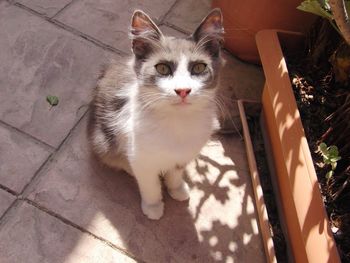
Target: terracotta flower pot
308	230
243	19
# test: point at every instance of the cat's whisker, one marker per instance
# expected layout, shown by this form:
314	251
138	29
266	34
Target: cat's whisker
227	113
149	101
221	106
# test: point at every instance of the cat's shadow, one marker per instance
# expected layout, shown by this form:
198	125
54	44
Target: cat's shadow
178	236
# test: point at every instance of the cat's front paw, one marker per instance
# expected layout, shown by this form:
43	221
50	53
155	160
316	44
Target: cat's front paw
181	193
154	211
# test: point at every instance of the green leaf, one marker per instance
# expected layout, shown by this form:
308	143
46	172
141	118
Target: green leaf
323	148
314	7
334	165
335	159
326	157
327	161
329	174
333	151
52	100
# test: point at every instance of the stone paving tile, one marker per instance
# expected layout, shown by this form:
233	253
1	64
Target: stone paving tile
6	200
20	158
109	20
187	14
45	60
168	31
242	80
239	80
218	223
45	7
33	236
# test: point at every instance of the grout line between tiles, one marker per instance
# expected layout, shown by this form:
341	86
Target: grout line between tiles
29	136
72	30
20	196
37	172
165	23
87	37
63	8
32	11
51	156
72	224
7	213
10	191
168	12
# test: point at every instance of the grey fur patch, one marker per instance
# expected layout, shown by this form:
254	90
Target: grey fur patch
107	103
118	103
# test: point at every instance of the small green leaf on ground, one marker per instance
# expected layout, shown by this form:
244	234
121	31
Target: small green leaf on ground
52	100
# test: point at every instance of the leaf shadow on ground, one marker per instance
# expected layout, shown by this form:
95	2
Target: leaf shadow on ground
188	231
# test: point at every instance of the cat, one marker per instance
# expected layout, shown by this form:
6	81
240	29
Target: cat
152	115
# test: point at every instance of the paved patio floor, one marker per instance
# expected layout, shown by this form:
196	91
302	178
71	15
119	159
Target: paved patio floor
56	203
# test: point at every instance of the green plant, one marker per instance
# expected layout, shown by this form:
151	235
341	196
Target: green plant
330	156
336	12
322	9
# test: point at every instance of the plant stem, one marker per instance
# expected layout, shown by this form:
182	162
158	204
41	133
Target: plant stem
341	18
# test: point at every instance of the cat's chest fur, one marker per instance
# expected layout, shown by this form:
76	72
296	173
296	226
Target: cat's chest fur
175	138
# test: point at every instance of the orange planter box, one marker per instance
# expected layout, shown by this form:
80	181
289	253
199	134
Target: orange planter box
307	224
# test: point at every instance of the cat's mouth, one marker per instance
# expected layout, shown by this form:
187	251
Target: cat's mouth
181	103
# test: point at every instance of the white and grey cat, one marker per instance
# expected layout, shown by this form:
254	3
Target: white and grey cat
153	114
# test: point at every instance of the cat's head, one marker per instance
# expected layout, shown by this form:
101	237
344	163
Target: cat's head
178	72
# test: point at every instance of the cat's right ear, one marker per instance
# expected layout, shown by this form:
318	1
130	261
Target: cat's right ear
144	34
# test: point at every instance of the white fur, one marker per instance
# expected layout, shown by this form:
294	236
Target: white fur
164	136
160	141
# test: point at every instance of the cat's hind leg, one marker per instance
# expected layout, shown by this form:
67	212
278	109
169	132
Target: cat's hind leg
177	187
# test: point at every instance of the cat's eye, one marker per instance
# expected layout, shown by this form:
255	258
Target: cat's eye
198	68
163	69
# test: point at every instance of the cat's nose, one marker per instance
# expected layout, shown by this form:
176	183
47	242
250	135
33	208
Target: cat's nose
182	92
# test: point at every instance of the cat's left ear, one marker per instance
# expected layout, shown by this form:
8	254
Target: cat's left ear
144	33
211	31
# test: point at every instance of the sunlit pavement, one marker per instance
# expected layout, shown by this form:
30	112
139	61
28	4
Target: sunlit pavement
56	203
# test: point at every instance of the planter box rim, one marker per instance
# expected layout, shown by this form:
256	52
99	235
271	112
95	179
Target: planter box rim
307	222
